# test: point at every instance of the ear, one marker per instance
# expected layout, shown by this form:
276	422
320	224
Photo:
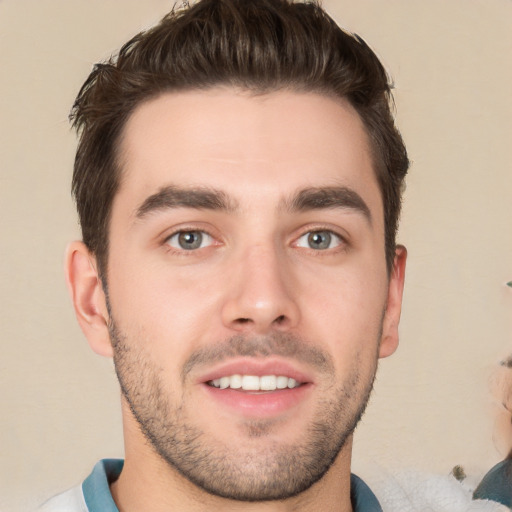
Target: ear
389	341
88	297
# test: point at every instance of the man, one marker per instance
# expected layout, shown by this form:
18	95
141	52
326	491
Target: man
238	181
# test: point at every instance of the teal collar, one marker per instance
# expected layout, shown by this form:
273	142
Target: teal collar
96	489
362	497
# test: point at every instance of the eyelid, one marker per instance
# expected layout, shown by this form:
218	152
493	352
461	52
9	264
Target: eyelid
214	239
333	235
178	233
343	238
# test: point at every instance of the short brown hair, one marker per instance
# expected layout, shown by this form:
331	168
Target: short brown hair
258	45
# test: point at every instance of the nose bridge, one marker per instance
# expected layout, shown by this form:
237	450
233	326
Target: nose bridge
264	273
261	295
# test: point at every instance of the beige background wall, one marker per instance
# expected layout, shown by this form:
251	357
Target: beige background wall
431	409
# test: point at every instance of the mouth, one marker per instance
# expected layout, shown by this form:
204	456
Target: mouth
255	382
257	389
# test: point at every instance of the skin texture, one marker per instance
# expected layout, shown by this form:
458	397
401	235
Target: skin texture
257	294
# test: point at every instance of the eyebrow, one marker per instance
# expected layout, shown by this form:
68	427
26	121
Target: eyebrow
321	198
206	198
198	198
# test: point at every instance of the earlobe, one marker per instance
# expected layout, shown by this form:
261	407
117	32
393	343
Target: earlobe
389	340
88	297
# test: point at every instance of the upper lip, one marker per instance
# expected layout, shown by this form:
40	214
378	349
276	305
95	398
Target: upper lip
257	367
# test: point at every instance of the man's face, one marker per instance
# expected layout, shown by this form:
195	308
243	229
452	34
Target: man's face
247	284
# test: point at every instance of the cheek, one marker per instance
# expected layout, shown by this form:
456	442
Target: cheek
167	303
353	297
345	314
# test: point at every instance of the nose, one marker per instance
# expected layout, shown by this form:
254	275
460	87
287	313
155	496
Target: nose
260	295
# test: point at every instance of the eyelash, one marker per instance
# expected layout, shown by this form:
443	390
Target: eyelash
342	245
184	252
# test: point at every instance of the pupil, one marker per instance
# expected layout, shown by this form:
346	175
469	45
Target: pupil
190	240
320	240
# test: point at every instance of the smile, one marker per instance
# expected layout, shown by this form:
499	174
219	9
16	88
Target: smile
256	388
254	383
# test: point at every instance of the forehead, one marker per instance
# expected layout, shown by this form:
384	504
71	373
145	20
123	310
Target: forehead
245	144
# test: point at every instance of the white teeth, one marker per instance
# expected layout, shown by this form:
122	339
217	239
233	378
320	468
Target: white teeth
235	381
281	382
250	383
268	382
255	383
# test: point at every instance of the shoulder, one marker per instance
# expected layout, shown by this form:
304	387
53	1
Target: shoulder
68	501
411	491
93	495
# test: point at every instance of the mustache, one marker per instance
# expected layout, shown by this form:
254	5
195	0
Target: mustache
276	344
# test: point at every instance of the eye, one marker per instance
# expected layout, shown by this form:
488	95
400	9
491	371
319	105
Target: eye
189	240
319	240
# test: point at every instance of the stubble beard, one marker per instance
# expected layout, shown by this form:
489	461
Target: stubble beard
281	470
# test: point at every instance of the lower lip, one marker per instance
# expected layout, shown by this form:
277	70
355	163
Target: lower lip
259	404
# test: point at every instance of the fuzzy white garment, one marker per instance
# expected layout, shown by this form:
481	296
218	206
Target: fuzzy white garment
410	491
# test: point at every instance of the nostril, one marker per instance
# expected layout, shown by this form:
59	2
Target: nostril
243	320
280	319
